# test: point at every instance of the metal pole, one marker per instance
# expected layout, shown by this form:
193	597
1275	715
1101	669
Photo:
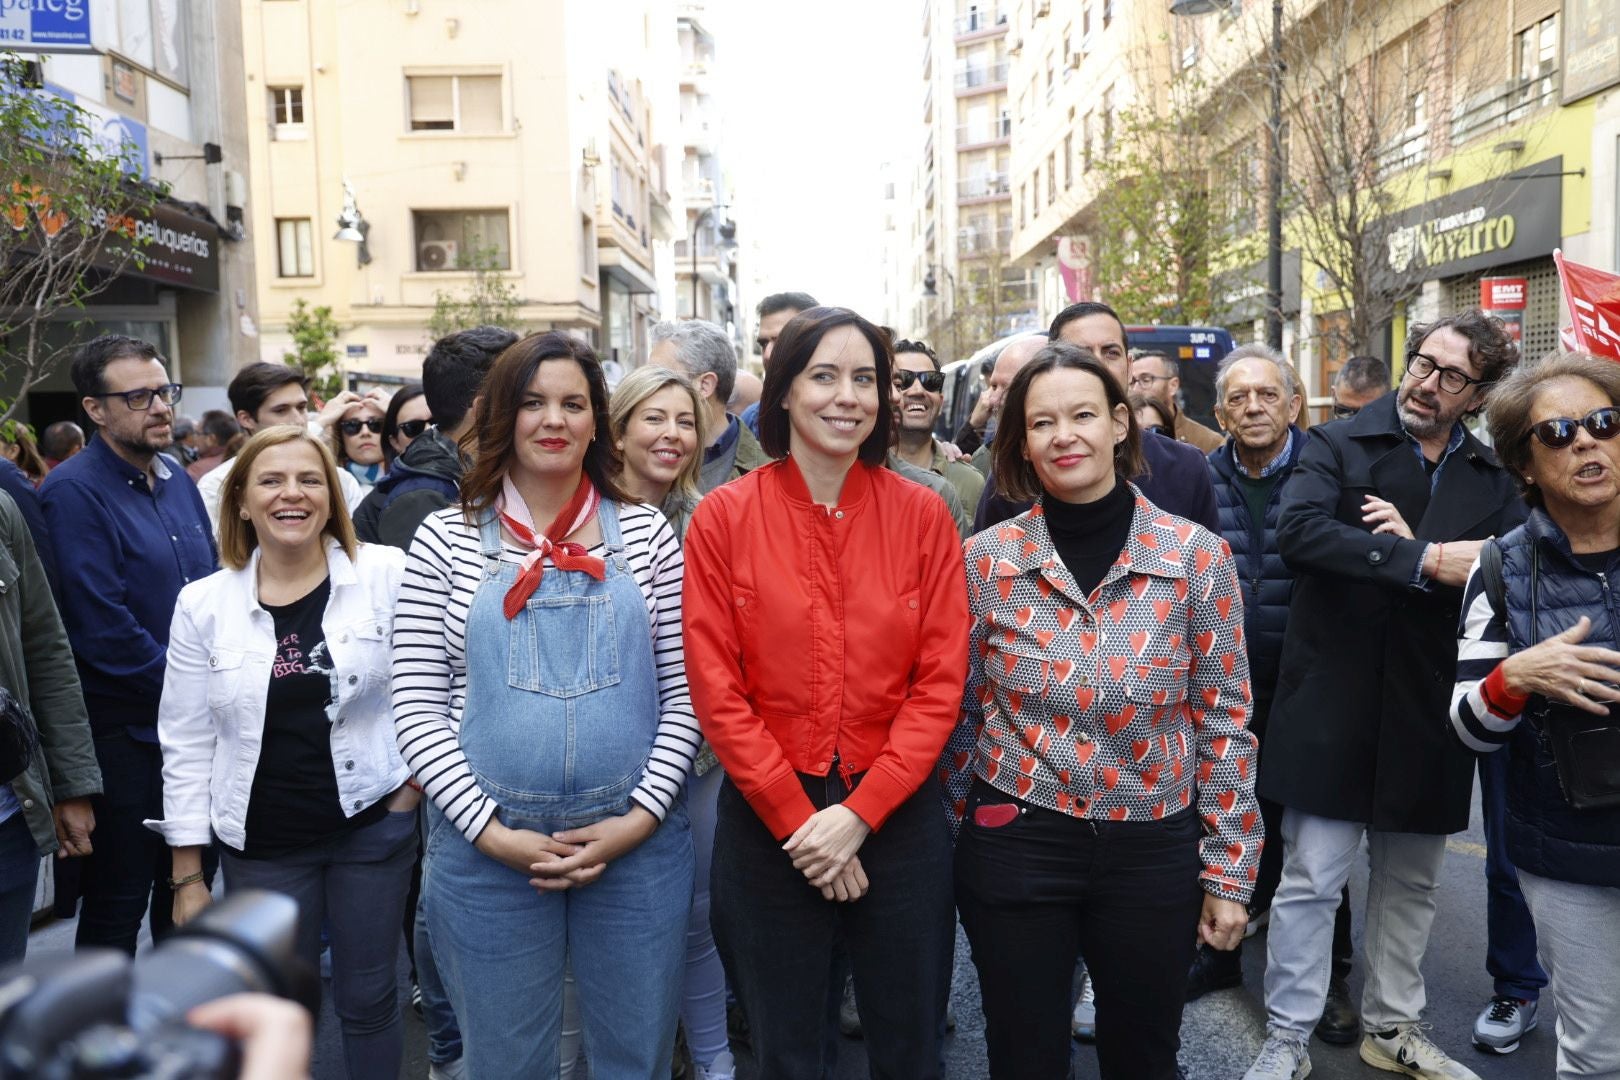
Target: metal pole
1274	168
697	222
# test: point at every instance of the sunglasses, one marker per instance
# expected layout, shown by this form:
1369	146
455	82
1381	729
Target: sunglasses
1558	433
412	428
1345	412
932	381
352	427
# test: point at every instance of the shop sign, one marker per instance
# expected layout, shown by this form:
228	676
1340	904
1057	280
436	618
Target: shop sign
33	26
173	247
1479	227
1591	47
1504	298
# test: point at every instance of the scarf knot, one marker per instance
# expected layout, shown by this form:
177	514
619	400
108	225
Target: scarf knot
564	555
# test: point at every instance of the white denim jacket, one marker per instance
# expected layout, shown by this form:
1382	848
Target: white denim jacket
211	717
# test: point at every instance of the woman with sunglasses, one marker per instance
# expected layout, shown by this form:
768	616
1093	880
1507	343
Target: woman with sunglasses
357	440
1538	675
540	697
827	632
407	418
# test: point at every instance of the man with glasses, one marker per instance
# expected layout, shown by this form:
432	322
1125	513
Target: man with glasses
1360	382
1380	523
920	385
129	531
1158	378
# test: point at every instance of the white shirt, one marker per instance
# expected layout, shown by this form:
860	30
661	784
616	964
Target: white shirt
211	716
212	486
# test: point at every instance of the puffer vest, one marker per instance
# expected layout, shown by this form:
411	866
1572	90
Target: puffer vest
1545	835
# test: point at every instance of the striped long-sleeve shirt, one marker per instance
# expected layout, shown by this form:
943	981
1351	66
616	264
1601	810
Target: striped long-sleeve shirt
1483	711
430	660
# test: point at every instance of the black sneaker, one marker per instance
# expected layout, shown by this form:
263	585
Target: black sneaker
1339	1026
1214	969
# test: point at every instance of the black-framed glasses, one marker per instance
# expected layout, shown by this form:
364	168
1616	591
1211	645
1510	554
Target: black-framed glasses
1452	381
412	428
1345	412
932	381
1558	433
352	427
141	400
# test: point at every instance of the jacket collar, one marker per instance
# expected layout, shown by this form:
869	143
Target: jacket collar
857	484
1225	459
1155	545
340	570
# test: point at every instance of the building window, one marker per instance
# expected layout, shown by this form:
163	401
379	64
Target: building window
286	105
1035	185
1068	161
1108	120
1051	178
462	239
1023	205
1535	64
464	103
1108	13
295	247
587	247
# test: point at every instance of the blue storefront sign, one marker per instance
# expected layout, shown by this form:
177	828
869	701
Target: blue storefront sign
45	25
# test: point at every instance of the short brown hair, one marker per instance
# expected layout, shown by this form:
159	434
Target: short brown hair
1513	399
1014	474
490	439
237	538
791	356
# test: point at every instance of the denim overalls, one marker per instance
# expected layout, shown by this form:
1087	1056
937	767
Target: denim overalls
561	708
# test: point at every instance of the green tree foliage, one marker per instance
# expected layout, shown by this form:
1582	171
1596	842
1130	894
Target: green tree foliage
71	215
314	352
489	299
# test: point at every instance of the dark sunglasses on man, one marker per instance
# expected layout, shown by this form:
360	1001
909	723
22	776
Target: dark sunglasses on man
1345	412
352	427
1559	432
412	428
932	381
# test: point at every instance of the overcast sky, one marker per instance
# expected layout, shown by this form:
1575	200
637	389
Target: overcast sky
814	97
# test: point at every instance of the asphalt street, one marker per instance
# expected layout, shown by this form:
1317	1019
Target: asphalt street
1220	1033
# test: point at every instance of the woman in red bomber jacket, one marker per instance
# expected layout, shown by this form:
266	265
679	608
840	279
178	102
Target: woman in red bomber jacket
1103	768
826	646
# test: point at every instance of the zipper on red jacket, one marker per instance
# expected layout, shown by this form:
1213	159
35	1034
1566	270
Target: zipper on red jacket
844	770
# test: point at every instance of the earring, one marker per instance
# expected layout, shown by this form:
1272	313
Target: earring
620	444
244	514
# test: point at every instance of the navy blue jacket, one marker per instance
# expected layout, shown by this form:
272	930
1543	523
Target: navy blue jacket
1176	481
1267	583
15	482
1545	835
124	551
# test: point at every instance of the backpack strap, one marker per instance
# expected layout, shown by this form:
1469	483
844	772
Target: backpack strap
1490	568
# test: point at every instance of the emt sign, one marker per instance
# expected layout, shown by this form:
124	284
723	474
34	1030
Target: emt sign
45	25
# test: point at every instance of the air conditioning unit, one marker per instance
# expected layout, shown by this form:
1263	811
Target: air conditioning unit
437	255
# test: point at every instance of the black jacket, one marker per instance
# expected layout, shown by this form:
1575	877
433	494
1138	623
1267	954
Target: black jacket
1176	481
425	478
1358	729
1267	583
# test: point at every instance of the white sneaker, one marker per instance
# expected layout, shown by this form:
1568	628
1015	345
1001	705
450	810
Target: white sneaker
1283	1057
1409	1051
723	1067
450	1070
1083	1024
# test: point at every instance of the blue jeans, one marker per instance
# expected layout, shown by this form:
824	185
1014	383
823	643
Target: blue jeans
562	706
703	1004
444	1034
355	884
19	874
1510	934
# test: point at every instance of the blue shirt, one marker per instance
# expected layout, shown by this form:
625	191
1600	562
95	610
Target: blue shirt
726	441
15	482
750	416
124	550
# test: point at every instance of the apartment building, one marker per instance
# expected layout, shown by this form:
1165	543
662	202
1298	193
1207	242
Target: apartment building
157	77
706	254
535	140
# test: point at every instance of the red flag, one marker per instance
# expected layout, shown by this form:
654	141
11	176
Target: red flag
1594	305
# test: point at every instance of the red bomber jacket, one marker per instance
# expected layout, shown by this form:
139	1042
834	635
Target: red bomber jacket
821	639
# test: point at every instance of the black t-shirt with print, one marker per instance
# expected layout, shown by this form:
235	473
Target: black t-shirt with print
294	801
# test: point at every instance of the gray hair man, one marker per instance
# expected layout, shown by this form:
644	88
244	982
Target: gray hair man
703	353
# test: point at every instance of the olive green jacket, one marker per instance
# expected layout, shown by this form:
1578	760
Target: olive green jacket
36	665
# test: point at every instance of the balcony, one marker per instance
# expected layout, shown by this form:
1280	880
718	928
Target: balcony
987	186
973	242
982	21
695	71
1501	105
928	191
980	79
928	104
972	135
700	135
698	192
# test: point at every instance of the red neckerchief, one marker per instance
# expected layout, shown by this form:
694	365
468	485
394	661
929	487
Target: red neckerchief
578	512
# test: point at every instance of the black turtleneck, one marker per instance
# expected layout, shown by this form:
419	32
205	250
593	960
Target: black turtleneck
1090	536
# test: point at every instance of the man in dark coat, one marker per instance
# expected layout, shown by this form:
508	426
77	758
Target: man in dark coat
1382	520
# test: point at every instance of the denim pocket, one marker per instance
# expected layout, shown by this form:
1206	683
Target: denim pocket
563	646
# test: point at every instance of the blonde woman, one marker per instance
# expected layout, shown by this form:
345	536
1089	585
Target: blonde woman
277	735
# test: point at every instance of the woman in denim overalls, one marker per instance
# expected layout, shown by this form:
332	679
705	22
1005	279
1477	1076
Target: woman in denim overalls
562	734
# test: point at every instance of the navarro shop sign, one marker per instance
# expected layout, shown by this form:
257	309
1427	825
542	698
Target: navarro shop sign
1477	228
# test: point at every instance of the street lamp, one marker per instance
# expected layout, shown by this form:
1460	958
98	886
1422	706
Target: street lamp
728	240
930	289
353	226
1274	161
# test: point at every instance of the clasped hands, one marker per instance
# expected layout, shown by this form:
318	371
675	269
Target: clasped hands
824	849
569	858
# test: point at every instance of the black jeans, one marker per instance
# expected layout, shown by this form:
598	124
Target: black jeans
777	937
128	869
1044	888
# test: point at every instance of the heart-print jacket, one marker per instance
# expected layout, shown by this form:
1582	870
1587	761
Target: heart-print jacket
1126	704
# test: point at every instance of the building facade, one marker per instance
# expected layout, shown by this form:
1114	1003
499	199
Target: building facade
706	254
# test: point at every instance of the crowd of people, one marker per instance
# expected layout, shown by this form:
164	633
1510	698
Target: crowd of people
706	705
